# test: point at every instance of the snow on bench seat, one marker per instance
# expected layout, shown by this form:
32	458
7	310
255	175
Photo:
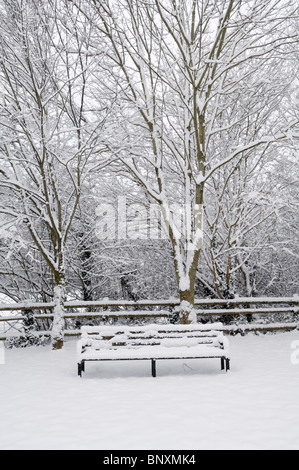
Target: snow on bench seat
154	352
152	342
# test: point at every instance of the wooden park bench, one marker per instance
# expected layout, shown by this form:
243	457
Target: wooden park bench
152	342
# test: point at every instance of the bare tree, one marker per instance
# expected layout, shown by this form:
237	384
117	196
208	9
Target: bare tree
183	71
48	134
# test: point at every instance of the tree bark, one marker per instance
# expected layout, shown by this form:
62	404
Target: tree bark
187	314
186	306
59	310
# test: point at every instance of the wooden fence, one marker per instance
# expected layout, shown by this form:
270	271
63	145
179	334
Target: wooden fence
259	313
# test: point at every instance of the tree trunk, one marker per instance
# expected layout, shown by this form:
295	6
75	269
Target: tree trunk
186	306
186	278
59	310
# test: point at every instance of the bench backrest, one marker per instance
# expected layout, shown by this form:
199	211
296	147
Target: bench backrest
103	337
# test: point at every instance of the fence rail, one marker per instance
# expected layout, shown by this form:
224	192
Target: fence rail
12	325
106	303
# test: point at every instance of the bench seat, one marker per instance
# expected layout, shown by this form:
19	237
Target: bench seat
154	352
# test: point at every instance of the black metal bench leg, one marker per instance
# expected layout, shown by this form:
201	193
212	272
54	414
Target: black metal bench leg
222	363
154	372
81	368
227	365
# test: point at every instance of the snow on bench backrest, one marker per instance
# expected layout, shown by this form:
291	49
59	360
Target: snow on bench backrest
150	329
106	337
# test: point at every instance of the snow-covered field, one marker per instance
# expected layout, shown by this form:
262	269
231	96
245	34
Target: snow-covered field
190	405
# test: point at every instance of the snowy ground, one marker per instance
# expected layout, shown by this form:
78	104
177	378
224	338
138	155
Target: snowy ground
190	405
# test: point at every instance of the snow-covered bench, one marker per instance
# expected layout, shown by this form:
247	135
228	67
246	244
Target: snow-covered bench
152	342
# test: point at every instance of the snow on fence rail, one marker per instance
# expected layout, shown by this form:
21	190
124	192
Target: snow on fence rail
232	307
106	303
